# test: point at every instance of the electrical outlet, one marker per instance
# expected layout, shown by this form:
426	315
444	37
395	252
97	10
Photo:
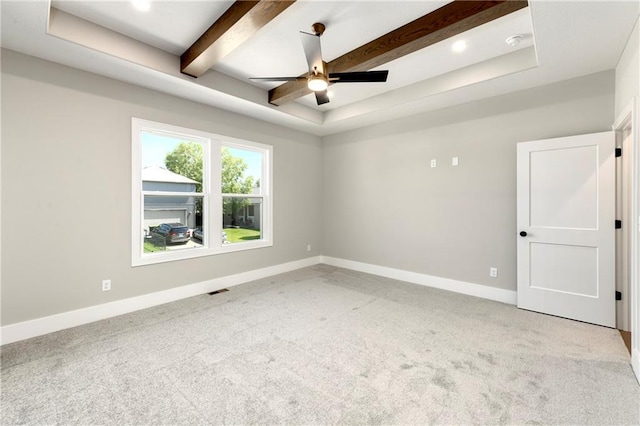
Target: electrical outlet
106	285
493	272
434	163
308	247
454	161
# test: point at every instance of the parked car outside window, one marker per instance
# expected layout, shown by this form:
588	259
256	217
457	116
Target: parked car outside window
173	232
198	234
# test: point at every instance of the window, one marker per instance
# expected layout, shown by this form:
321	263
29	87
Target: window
196	193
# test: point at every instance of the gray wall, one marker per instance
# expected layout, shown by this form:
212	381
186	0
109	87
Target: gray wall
66	189
367	195
384	205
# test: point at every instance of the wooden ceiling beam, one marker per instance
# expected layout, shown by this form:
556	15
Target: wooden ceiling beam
242	20
449	20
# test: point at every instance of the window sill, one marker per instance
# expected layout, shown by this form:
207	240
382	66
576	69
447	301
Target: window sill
184	254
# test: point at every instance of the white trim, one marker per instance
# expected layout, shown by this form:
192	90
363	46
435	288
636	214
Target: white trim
37	327
471	289
629	115
194	252
173	194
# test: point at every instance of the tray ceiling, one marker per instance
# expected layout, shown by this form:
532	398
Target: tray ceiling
560	40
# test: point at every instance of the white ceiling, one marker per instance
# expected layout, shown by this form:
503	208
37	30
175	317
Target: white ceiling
115	40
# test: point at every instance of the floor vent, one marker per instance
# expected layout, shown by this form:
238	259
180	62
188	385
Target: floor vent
218	291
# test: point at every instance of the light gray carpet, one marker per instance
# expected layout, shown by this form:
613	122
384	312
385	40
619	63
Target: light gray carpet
323	345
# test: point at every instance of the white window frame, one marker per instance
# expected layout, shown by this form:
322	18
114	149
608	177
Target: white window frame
211	193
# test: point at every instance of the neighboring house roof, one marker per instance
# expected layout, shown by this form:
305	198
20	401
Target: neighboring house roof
160	174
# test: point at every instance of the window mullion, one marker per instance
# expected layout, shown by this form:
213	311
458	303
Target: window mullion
215	202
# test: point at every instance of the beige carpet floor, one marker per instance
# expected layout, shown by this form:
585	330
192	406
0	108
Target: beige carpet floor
323	345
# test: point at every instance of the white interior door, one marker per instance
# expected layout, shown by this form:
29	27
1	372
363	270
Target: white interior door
566	226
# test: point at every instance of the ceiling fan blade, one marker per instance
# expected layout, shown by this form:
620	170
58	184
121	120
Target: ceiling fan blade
277	78
312	50
359	77
322	97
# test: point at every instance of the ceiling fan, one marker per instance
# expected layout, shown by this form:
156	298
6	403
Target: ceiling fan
318	79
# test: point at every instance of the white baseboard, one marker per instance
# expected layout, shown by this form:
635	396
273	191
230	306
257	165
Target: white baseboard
37	327
471	289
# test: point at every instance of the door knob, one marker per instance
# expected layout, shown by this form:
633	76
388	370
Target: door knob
523	234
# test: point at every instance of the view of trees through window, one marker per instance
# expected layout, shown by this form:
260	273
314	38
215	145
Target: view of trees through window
241	214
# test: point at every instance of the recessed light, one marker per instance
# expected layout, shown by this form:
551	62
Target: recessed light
142	5
514	40
459	46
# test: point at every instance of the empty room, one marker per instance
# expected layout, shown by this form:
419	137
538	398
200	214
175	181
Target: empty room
319	212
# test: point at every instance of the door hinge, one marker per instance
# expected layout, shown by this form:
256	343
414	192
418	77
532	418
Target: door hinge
618	224
618	295
618	152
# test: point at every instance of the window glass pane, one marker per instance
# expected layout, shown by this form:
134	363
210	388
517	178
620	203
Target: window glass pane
241	170
169	223
171	163
241	219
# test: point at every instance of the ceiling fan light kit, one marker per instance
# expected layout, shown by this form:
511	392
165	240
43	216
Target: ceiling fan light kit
317	83
317	77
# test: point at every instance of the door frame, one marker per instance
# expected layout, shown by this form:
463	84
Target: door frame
628	118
